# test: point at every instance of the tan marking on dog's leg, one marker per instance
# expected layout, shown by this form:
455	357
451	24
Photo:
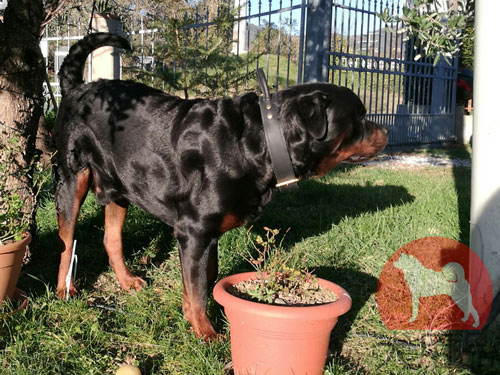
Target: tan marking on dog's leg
195	293
196	314
229	221
114	215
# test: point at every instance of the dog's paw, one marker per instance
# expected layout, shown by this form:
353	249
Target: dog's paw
61	291
130	283
208	334
203	329
218	337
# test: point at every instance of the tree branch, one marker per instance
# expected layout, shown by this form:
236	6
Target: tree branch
52	10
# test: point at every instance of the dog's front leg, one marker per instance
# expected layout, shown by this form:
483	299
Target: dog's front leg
198	255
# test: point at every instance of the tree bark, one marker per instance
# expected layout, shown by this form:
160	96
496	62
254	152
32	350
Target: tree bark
21	101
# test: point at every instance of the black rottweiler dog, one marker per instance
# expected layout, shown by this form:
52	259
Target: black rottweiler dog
201	166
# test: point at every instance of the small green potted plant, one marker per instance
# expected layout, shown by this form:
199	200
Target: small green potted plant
280	316
16	217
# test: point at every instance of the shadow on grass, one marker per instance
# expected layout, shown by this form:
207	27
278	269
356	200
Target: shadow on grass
309	211
360	287
462	177
313	210
477	350
140	232
316	207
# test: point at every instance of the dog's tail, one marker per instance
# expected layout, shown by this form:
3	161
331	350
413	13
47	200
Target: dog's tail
71	72
453	272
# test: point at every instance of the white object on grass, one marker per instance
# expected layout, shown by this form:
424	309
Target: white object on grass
128	370
72	264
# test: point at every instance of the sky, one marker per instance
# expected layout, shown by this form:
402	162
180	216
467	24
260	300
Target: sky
341	11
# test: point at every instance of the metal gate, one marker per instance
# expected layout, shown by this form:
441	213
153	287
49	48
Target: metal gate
338	41
414	98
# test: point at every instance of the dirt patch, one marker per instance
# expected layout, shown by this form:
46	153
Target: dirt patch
398	161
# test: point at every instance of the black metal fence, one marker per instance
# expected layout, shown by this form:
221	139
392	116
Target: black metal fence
216	51
213	50
412	96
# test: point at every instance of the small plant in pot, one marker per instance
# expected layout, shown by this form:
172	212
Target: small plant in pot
16	217
280	316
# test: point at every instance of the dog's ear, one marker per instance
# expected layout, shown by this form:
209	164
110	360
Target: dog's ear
312	112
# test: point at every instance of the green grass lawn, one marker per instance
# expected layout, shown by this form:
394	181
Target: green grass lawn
348	223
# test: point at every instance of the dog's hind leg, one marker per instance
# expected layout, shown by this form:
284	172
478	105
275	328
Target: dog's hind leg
70	194
114	218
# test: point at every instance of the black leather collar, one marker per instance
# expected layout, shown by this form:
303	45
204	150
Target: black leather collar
280	158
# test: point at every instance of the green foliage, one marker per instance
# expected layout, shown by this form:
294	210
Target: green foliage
277	270
15	216
103	6
466	58
50	120
13	220
272	39
437	33
197	60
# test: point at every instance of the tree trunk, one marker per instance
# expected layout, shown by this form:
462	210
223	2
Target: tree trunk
21	102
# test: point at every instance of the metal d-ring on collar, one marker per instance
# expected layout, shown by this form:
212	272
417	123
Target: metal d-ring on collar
280	159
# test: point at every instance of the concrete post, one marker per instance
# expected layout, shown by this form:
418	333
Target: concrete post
106	62
240	29
438	92
485	202
318	40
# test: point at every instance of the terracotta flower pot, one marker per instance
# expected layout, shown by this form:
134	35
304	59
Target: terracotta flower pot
11	257
279	340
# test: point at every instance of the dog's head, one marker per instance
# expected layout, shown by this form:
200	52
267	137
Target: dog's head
324	125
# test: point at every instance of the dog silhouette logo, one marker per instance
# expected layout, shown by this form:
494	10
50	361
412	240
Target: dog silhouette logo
434	283
425	282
